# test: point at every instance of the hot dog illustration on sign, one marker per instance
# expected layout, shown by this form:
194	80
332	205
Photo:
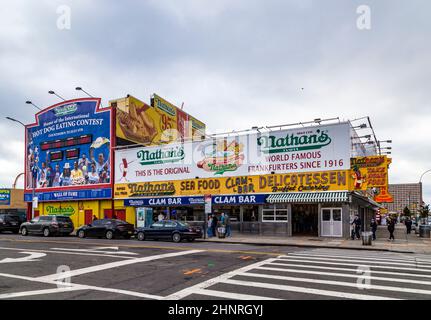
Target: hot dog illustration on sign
219	157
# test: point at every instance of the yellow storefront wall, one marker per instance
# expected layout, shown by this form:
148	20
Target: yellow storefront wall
76	209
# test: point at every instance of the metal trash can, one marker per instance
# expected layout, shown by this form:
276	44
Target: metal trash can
367	238
221	232
424	231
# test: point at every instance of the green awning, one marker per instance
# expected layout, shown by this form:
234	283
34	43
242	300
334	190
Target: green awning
298	197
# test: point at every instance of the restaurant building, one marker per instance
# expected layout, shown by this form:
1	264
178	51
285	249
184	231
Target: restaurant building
295	182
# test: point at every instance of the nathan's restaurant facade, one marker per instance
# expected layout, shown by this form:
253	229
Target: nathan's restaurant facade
286	182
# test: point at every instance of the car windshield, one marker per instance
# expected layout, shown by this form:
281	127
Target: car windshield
119	221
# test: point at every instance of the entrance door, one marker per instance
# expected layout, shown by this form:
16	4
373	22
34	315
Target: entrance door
305	220
88	216
332	224
121	214
107	213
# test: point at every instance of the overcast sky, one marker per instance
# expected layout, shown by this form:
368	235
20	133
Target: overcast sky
235	64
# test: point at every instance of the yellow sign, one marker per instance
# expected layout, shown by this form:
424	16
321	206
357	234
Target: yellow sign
371	172
293	182
148	125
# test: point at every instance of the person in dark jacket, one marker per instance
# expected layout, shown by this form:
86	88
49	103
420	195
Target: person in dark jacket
408	225
373	226
391	228
357	223
214	225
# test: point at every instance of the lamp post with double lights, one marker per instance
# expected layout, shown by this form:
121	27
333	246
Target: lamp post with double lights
33	170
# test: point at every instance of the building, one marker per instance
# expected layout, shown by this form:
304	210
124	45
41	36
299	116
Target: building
405	195
12	201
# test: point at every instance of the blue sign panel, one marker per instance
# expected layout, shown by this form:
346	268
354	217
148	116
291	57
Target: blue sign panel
69	147
186	201
4	197
63	195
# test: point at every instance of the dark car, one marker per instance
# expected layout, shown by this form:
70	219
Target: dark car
48	225
169	229
10	222
108	228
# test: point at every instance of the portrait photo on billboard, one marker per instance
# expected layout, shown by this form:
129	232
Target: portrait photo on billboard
69	146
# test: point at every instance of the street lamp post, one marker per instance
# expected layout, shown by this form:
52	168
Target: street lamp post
33	186
52	92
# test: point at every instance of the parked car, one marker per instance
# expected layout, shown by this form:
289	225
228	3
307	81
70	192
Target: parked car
48	225
10	222
108	228
169	229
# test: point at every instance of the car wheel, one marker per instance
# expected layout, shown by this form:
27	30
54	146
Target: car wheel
46	232
24	232
81	234
141	236
109	235
176	237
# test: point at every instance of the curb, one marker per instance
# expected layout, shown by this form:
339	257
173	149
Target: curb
304	246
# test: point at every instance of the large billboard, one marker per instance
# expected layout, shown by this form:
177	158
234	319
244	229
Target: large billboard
160	123
68	151
318	148
4	197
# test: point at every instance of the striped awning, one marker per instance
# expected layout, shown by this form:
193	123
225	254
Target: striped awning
298	197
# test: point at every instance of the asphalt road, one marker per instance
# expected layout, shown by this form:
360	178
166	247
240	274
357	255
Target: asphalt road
71	268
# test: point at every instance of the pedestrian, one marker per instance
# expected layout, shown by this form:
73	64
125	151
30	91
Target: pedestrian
357	223
408	224
228	226
373	226
210	230
391	228
161	217
94	217
214	225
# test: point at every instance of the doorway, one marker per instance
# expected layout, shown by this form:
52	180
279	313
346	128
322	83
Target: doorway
305	220
332	222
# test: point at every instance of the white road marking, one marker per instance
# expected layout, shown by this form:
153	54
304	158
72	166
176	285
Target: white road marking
115	264
349	269
32	257
338	283
337	294
229	295
355	257
350	260
67	252
355	264
345	275
96	251
37	292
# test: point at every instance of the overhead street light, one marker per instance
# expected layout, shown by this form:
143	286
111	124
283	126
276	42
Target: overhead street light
80	89
52	92
15	120
29	102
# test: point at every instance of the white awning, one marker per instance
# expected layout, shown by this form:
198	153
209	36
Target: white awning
298	197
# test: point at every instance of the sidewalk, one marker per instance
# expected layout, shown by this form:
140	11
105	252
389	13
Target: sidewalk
403	242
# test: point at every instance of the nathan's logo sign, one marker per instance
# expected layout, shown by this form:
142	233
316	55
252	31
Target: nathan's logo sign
222	157
65	110
292	142
165	107
158	156
150	189
66	211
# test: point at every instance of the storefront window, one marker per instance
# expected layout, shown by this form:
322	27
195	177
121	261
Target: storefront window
275	213
250	213
232	211
188	213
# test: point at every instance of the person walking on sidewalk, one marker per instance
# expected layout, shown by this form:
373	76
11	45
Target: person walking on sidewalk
408	224
227	224
373	226
214	225
391	228
357	223
210	229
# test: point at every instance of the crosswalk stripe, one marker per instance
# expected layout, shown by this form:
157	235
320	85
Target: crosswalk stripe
350	260
357	257
350	269
321	292
339	283
345	275
354	264
229	295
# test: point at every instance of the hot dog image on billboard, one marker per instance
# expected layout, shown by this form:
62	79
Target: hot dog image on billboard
69	146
